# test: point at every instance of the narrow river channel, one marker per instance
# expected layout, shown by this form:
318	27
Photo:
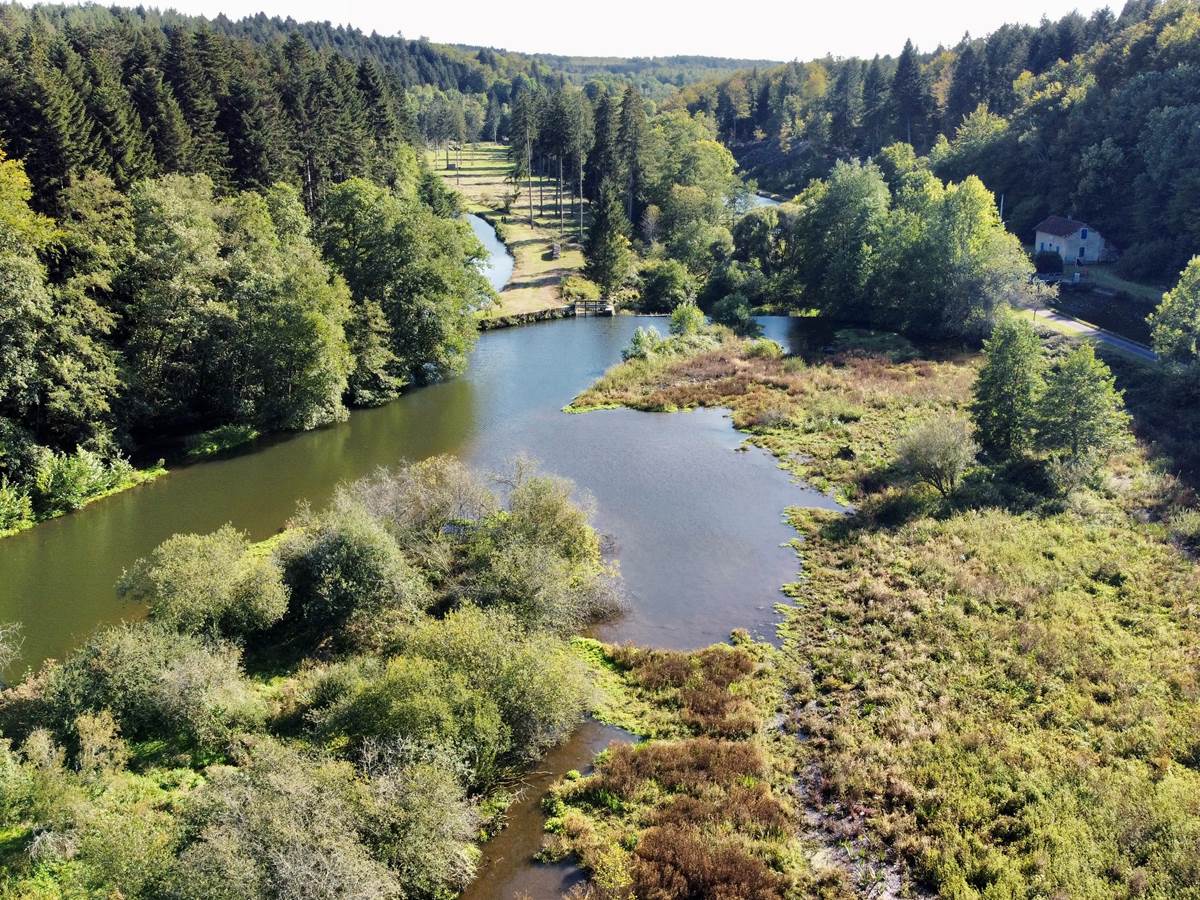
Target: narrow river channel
696	527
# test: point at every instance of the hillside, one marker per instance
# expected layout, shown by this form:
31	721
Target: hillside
1093	118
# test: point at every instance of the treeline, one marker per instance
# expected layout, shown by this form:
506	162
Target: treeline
334	713
1093	118
884	243
174	309
133	100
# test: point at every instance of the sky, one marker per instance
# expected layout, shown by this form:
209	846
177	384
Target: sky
747	29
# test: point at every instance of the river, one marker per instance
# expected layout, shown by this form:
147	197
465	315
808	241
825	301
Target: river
696	528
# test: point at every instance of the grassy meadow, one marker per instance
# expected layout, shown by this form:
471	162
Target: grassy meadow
485	184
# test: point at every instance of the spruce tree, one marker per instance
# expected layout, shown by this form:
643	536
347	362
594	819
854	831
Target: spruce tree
163	121
631	137
912	100
118	128
608	254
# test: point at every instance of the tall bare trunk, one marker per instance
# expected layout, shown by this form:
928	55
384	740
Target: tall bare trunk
560	202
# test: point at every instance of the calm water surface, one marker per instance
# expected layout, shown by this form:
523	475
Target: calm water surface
696	526
500	262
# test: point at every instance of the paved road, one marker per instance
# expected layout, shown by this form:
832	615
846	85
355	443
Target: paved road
1141	351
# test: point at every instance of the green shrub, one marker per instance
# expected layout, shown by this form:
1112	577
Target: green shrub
763	348
646	342
421	822
734	310
418	503
208	584
1047	262
280	824
218	440
16	507
539	686
687	319
157	683
939	452
666	285
424	701
347	562
64	482
576	288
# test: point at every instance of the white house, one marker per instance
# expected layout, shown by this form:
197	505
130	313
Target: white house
1072	240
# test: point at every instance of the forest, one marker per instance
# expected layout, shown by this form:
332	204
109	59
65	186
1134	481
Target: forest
201	234
1089	117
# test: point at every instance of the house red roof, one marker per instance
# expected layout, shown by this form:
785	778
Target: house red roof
1060	225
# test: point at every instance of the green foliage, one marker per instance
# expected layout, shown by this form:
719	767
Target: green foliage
1048	262
219	440
575	288
938	453
538	685
1081	413
898	250
346	566
280	824
1175	324
16	507
64	482
426	701
417	268
687	320
666	284
646	342
609	257
155	682
208	584
1007	388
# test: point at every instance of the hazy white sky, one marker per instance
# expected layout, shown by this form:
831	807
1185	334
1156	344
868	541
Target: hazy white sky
761	29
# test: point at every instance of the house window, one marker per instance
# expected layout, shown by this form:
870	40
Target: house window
1042	247
1083	234
1081	252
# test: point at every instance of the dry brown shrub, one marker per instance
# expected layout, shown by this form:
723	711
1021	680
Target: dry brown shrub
723	666
659	669
753	810
680	862
690	766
